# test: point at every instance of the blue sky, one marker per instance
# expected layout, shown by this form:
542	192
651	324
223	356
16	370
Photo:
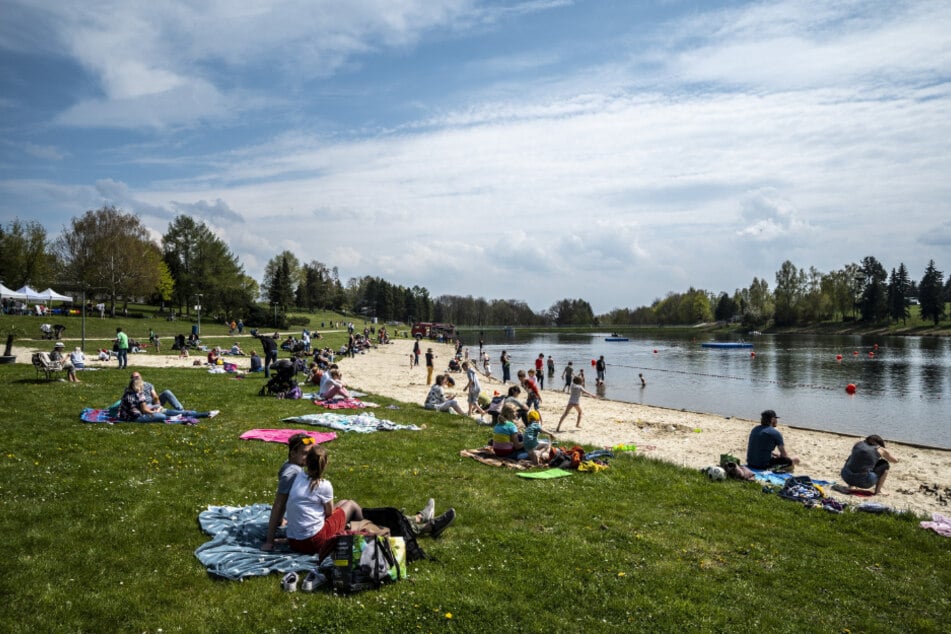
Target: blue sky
534	149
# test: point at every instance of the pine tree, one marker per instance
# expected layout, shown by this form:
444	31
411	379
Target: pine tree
931	294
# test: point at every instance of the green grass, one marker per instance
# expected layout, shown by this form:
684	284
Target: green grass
99	525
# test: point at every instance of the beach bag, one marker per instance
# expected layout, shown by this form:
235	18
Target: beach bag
801	489
364	562
399	526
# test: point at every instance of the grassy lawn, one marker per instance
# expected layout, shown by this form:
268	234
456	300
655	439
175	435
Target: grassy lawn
100	525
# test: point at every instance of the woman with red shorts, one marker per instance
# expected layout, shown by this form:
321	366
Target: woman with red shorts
313	521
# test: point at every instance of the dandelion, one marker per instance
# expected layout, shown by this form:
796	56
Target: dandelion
448	615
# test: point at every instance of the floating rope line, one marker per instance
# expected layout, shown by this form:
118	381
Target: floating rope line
810	386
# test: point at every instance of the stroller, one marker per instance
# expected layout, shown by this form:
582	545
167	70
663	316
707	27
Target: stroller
283	380
52	332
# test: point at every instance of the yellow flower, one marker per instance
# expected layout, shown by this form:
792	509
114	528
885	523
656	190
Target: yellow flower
448	615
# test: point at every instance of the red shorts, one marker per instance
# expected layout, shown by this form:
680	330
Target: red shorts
323	542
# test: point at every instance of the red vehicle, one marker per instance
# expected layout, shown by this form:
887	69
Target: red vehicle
433	330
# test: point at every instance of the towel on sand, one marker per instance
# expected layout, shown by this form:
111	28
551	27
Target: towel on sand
283	435
237	534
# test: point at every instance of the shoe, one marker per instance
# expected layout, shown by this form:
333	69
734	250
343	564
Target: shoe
442	522
289	582
213	413
426	515
312	581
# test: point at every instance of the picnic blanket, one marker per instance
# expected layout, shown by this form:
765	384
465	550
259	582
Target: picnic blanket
344	403
486	456
283	435
107	415
769	477
364	423
234	551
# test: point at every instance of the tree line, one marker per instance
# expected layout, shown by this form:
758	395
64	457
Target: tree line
110	256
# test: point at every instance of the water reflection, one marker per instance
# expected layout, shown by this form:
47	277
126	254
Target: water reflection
905	382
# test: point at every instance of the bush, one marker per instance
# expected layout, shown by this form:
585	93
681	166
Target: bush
298	320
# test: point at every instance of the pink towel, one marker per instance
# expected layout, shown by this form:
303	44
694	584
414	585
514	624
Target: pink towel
940	524
282	435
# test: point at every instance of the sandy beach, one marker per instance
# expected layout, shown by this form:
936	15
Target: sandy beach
689	439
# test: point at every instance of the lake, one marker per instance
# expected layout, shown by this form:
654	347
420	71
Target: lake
903	388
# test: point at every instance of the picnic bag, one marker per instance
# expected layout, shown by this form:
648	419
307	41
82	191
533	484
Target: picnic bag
364	561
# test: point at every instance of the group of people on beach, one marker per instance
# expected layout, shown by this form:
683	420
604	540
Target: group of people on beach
866	467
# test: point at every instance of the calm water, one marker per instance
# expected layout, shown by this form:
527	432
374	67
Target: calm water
903	390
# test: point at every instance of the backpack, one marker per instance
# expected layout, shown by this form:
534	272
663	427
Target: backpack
365	561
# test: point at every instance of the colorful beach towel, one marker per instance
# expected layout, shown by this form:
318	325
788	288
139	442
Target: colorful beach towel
486	456
344	403
234	551
283	435
106	415
364	423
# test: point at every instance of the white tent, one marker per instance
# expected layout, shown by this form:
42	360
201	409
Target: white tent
30	295
52	296
9	293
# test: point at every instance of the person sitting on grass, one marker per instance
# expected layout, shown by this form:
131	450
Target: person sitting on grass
297	447
134	406
505	437
536	450
422	523
574	402
521	409
763	440
236	350
313	520
256	365
331	385
868	465
438	399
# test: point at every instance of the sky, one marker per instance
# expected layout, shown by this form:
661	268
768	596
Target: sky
612	151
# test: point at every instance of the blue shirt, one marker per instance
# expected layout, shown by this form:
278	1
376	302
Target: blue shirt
763	439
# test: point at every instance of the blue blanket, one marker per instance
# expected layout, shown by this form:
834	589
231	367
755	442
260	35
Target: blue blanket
768	477
234	551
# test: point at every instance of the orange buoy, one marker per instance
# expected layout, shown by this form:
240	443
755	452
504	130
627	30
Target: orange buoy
875	346
593	363
655	350
871	354
838	357
855	353
752	354
850	388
